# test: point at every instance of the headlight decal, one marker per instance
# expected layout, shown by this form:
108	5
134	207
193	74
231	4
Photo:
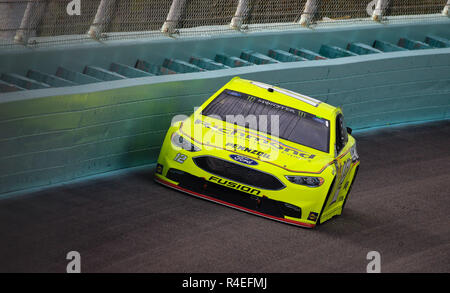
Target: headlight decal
181	142
306	180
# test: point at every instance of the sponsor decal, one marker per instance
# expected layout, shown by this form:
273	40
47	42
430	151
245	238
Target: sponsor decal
274	144
244	160
346	185
313	216
235	146
234	185
236	94
343	170
159	168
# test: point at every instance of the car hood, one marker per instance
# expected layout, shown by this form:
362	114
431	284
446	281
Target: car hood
213	134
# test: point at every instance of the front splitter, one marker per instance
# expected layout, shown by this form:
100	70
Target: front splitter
196	194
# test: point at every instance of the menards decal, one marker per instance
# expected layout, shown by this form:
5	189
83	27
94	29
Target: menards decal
235	146
276	145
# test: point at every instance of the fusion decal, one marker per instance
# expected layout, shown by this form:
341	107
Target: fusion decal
234	185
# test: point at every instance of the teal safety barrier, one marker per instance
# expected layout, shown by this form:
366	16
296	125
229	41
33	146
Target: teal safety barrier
54	135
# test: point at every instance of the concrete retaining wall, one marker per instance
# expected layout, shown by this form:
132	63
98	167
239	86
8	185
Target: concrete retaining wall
55	135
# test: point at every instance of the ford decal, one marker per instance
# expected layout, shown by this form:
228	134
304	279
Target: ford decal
244	160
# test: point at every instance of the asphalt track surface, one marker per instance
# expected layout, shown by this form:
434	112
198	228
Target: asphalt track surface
399	206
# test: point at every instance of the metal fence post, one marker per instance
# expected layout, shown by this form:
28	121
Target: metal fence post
10	17
174	16
30	20
380	8
445	10
241	13
103	16
309	11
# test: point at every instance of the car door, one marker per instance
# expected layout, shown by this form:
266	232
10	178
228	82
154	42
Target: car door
342	162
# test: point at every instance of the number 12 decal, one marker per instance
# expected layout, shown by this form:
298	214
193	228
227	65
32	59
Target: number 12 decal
180	158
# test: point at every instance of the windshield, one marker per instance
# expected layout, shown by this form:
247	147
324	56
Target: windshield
293	124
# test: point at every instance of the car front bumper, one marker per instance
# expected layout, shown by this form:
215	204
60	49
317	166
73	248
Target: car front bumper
261	206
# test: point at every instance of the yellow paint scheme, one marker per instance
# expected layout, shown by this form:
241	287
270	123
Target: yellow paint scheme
216	138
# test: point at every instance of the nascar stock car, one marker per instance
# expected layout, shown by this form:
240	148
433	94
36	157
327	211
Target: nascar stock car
263	150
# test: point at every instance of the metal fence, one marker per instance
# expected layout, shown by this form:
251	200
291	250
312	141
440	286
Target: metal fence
35	22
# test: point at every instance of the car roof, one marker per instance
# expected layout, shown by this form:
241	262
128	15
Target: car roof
282	96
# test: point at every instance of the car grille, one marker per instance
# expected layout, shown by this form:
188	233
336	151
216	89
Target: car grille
238	173
235	197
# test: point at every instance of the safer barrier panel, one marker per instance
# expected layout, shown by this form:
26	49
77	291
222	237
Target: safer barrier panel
59	134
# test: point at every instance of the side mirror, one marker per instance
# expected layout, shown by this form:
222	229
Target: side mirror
349	130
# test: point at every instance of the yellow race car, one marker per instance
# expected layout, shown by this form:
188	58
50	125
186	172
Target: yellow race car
263	150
